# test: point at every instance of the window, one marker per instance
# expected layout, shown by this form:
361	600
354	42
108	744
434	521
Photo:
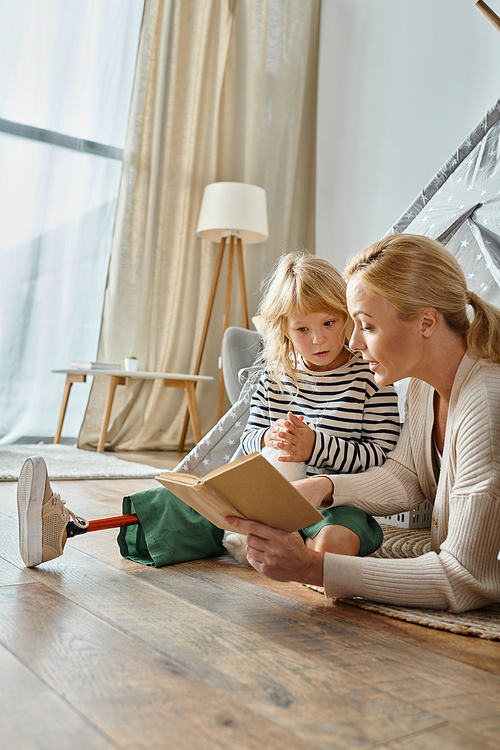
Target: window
64	105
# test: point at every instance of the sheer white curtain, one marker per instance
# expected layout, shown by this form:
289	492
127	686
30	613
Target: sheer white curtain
68	68
225	90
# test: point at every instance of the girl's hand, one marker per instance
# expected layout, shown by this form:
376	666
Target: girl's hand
296	439
271	436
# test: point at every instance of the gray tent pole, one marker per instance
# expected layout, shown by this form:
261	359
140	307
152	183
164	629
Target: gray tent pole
489	14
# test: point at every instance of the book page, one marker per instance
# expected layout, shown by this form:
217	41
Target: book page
260	493
246	488
176	476
201	498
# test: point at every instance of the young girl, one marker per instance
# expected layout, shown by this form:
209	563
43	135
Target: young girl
316	401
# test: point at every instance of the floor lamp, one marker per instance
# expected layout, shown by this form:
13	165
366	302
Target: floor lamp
231	213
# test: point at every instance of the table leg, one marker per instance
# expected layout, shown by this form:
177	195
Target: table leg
114	380
70	379
189	387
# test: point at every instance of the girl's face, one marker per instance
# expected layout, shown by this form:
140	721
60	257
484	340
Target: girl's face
319	339
392	347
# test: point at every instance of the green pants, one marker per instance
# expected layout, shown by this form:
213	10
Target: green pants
169	531
365	526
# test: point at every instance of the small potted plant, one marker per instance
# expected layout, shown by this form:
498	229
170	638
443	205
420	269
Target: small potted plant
131	364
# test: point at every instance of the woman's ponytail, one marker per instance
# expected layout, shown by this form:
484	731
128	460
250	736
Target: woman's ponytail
483	336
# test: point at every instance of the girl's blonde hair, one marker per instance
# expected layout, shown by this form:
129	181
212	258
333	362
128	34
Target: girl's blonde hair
414	273
299	283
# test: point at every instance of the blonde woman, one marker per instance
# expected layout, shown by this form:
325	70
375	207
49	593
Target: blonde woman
409	301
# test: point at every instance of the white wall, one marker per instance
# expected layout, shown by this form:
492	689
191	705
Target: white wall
401	84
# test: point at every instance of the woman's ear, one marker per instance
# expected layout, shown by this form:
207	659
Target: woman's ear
429	321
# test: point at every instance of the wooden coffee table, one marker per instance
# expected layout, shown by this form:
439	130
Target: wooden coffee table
120	377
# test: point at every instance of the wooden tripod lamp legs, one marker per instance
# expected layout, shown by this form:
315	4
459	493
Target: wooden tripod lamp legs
225	322
488	13
203	339
243	290
227	308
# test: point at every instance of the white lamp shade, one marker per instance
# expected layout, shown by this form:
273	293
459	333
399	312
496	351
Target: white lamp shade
233	208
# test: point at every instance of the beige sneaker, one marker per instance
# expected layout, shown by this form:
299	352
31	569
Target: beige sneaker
43	516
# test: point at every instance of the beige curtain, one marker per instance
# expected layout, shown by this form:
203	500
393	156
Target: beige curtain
224	90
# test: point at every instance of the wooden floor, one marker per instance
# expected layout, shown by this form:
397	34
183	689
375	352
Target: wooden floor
99	652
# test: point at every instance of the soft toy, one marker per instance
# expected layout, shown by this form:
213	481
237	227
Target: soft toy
236	543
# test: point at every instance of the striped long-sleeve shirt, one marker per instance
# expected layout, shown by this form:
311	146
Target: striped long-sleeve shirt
356	422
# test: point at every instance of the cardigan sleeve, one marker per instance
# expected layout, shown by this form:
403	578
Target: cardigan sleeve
463	575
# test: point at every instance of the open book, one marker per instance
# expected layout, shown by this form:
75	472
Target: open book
249	487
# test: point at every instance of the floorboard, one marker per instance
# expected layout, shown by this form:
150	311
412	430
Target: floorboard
258	670
443	738
32	715
132	693
485	654
475	651
102	652
11	574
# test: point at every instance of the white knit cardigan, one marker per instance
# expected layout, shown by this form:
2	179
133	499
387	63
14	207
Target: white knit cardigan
461	571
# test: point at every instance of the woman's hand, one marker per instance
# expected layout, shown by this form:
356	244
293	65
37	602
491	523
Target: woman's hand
293	436
317	490
279	555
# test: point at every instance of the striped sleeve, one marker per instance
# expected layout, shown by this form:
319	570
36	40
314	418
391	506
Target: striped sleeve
340	452
260	418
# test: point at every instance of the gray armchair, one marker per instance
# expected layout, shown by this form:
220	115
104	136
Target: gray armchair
240	348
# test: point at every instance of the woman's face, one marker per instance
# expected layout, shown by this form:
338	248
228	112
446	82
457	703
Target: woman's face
392	346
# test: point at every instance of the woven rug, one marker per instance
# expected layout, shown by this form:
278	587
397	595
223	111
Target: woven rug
400	543
69	462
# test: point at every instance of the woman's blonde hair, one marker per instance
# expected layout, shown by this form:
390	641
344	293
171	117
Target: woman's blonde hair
414	273
299	283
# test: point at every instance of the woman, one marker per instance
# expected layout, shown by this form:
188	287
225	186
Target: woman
408	298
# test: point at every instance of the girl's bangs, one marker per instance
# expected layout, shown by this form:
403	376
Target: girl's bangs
314	302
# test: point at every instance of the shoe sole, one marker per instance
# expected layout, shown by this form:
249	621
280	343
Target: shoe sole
30	494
